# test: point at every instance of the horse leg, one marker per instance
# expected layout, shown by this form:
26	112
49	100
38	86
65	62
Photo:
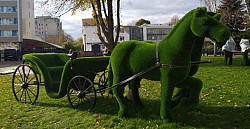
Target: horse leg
181	92
167	88
118	93
135	85
195	86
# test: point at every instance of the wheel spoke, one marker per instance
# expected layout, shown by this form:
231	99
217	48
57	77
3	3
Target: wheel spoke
31	79
21	95
87	88
31	92
21	75
32	85
78	102
71	91
19	90
29	96
28	75
25	96
82	102
74	99
18	84
18	79
76	85
89	100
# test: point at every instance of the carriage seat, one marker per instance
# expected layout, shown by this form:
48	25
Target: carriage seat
53	62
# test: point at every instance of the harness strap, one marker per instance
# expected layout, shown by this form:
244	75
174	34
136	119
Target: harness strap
165	65
156	53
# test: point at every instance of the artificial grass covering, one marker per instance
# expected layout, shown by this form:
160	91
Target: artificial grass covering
176	48
55	69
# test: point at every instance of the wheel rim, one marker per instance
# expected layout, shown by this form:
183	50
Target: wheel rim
25	85
103	80
81	93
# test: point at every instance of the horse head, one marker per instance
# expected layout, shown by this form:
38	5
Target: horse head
206	25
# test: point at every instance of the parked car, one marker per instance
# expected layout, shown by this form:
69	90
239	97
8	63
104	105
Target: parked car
10	54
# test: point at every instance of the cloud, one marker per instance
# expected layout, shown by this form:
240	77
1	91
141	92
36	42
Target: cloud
156	11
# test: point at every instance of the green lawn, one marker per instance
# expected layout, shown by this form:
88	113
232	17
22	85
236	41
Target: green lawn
224	103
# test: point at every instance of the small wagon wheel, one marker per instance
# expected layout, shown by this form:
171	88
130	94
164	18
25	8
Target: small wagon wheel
81	93
25	84
103	81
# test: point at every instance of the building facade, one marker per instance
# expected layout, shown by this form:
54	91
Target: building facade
153	32
91	40
16	22
46	26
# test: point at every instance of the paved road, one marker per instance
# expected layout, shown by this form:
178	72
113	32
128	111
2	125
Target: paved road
8	67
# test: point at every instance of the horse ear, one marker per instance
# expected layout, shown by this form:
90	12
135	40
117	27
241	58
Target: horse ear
200	11
217	16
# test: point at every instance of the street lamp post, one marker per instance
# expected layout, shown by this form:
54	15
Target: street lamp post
85	44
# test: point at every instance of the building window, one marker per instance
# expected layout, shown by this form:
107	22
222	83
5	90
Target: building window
157	33
28	4
8	9
136	34
8	21
8	33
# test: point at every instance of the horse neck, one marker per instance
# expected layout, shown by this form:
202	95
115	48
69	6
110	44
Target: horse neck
197	49
180	39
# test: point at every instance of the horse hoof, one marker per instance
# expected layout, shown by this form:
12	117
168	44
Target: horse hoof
167	120
122	113
188	103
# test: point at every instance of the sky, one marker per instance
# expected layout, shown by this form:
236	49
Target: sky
156	11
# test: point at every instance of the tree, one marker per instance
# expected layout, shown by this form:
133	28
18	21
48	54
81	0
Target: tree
210	4
59	39
79	41
102	13
141	22
232	15
71	45
173	20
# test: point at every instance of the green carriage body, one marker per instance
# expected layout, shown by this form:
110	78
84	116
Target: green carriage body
55	69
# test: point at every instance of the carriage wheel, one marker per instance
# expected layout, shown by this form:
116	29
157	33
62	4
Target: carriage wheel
81	93
103	81
25	84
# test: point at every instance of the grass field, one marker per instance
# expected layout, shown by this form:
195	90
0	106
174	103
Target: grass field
224	103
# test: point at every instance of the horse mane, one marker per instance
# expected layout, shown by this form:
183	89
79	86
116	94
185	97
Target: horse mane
185	17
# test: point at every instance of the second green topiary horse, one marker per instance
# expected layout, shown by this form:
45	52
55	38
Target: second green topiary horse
174	51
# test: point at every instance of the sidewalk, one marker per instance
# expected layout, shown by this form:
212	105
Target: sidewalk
8	67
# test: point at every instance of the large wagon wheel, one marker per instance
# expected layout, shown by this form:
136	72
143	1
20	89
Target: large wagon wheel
25	84
103	81
81	93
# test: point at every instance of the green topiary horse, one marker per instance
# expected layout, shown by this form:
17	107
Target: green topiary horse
174	51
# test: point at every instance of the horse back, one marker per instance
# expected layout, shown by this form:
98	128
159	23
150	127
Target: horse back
134	56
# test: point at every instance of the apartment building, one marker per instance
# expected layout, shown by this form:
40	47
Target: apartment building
46	26
16	23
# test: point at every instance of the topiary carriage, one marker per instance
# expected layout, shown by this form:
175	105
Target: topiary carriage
61	74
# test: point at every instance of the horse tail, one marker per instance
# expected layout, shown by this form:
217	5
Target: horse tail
110	77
